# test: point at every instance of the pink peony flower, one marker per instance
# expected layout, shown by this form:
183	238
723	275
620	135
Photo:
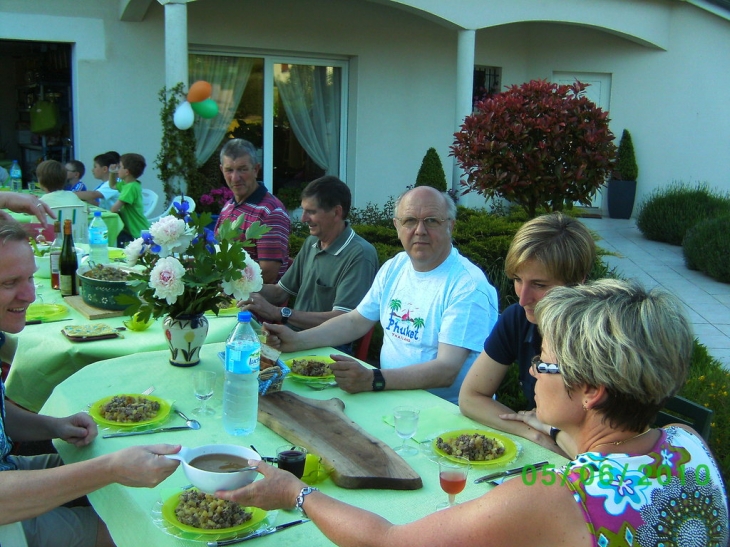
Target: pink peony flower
172	235
166	278
250	281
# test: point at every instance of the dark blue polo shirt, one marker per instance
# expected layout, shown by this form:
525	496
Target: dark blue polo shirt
515	339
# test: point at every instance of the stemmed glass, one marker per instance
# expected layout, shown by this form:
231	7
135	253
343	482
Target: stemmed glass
405	419
452	477
203	385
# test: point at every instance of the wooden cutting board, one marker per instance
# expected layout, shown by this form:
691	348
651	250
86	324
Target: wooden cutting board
90	312
357	459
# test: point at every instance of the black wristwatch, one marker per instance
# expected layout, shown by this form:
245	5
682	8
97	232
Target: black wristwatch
285	315
554	434
378	380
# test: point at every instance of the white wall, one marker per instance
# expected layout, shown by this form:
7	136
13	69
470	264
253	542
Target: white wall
670	66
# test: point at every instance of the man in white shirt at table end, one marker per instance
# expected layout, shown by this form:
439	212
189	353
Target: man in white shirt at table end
34	488
436	309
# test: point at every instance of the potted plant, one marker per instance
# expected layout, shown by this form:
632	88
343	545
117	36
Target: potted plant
622	184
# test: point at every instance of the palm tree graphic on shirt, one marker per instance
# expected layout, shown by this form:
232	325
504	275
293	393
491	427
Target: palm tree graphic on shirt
416	322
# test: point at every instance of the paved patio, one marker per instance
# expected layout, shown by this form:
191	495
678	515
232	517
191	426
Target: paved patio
653	263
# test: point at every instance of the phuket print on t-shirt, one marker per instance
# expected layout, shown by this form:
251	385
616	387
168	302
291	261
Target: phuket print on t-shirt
404	321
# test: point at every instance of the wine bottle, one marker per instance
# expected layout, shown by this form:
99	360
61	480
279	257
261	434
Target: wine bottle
55	255
68	264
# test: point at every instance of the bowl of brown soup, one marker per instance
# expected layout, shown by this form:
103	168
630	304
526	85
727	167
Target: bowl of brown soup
213	467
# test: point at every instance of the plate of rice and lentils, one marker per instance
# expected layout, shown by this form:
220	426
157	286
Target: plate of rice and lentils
480	447
313	367
194	512
129	410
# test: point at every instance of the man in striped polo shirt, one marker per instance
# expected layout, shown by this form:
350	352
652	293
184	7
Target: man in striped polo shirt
255	202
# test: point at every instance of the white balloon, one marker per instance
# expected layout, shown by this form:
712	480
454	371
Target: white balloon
184	116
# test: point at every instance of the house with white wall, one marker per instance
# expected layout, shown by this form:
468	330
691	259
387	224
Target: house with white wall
398	76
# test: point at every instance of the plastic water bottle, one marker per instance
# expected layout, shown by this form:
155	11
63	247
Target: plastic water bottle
16	177
241	388
98	240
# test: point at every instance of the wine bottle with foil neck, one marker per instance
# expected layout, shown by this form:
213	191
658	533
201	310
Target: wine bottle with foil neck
55	255
68	263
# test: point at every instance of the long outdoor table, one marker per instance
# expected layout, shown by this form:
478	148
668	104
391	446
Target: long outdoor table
113	221
128	511
44	357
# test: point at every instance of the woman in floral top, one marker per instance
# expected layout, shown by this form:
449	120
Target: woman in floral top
612	354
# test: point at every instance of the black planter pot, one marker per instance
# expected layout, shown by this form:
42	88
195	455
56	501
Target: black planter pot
621	194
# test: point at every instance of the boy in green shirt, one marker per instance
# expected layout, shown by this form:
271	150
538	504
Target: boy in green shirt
129	205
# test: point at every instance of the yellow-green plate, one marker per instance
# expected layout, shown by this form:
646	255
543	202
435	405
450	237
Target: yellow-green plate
47	312
168	513
302	377
510	448
95	411
116	254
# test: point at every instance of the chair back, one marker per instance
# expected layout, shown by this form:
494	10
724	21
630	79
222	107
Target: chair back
79	220
149	201
360	347
683	411
179	199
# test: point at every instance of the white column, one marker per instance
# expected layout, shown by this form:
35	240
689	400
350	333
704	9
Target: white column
464	85
176	42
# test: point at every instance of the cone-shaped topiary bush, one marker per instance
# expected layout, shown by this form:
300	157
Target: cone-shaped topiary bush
626	166
431	172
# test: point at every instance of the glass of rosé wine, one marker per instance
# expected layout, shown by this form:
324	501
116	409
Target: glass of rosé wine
453	472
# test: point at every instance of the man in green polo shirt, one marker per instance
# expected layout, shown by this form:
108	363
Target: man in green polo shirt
332	272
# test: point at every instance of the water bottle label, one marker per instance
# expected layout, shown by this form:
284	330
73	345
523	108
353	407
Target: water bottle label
98	236
243	361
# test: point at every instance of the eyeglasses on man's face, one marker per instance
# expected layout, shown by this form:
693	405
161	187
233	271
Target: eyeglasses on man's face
538	365
410	223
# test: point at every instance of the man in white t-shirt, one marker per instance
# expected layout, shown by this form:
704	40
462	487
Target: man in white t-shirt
436	308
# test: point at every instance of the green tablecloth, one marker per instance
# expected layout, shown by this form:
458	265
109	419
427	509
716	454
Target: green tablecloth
127	511
112	220
44	357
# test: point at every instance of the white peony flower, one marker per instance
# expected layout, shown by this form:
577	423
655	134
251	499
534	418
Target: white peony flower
167	279
172	235
134	250
250	281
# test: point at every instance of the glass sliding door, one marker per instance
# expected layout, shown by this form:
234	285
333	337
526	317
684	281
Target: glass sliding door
292	110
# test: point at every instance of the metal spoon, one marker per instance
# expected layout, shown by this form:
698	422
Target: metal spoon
192	424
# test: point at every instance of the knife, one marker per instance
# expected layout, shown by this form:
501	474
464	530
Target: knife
42	321
509	472
147	431
260	533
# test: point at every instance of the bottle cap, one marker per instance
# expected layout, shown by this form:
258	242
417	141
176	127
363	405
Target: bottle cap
244	316
97	213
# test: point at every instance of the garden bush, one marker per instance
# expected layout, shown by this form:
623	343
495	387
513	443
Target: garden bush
669	212
706	248
431	172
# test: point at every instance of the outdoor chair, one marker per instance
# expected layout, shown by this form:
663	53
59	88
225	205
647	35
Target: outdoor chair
179	199
684	411
149	201
360	347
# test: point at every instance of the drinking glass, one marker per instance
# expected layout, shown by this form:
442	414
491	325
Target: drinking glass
452	477
405	419
203	385
292	458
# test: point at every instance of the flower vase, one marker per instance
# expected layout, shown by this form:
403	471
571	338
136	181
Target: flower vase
185	335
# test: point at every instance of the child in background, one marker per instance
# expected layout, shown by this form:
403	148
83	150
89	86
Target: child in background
129	205
52	179
104	195
74	171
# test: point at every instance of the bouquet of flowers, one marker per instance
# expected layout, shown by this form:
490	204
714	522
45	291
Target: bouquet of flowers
181	269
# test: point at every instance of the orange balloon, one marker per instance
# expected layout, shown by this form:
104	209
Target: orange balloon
199	91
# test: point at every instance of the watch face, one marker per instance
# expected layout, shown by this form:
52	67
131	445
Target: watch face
286	312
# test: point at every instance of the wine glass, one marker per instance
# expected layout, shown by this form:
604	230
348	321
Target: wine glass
203	385
452	477
405	419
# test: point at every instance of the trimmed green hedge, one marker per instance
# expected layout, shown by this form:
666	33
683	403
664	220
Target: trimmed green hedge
706	248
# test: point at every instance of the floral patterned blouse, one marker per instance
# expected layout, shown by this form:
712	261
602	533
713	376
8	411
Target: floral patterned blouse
672	496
